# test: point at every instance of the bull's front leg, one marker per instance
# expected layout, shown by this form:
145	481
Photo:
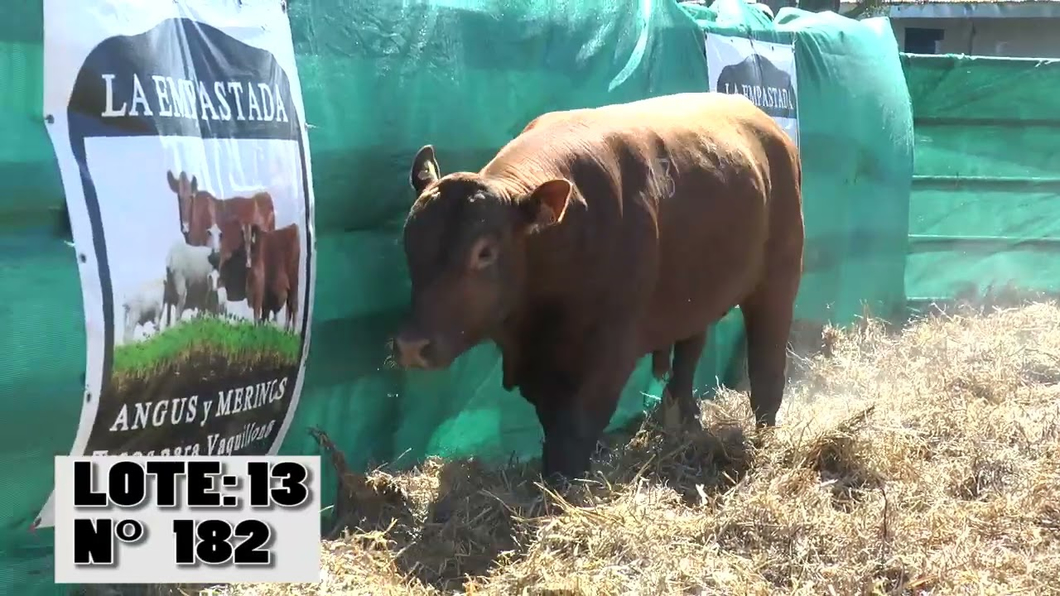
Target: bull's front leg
574	421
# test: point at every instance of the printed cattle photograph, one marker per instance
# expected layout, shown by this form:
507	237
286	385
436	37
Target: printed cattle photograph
206	249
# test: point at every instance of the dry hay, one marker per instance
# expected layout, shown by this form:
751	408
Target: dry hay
919	461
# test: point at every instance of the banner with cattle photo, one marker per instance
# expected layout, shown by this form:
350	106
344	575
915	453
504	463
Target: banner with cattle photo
179	129
762	71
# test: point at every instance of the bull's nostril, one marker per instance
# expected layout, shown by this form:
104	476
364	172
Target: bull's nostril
427	352
411	352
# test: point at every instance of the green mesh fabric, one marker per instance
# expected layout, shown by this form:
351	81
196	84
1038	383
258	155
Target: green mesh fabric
380	80
987	177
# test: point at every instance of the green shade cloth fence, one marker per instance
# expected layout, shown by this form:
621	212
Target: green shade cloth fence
987	176
380	80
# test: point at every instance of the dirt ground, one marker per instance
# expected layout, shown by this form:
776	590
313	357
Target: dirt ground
921	461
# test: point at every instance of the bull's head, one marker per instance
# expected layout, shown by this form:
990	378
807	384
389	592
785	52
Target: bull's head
465	246
185	191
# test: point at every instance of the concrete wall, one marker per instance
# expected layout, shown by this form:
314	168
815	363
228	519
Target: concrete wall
1012	37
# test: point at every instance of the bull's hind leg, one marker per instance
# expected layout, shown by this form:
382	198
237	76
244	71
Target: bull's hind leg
680	404
767	320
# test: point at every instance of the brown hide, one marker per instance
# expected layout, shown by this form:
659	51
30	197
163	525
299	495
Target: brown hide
681	208
207	210
272	272
200	210
230	215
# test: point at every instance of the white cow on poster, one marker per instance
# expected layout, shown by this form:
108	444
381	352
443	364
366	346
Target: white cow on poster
144	305
190	284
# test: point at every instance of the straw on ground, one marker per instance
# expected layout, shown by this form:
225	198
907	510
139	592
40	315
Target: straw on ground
921	461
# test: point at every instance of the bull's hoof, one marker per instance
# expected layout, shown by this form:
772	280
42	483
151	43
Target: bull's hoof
671	412
557	482
680	416
763	435
691	418
562	477
766	421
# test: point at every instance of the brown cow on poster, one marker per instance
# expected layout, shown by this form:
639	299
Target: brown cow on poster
201	211
598	236
272	272
231	258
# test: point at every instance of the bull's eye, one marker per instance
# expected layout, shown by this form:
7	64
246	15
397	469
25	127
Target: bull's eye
483	255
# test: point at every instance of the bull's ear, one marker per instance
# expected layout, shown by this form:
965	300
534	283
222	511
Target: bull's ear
547	204
172	180
425	169
194	184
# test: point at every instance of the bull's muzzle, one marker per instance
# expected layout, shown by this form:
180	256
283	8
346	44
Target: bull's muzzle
412	351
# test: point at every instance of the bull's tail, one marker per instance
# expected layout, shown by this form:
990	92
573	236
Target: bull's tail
796	170
769	310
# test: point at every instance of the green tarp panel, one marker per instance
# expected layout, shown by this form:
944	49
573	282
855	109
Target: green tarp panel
987	176
381	79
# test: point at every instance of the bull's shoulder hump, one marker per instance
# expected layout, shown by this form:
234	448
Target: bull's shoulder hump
717	119
680	106
723	118
663	116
